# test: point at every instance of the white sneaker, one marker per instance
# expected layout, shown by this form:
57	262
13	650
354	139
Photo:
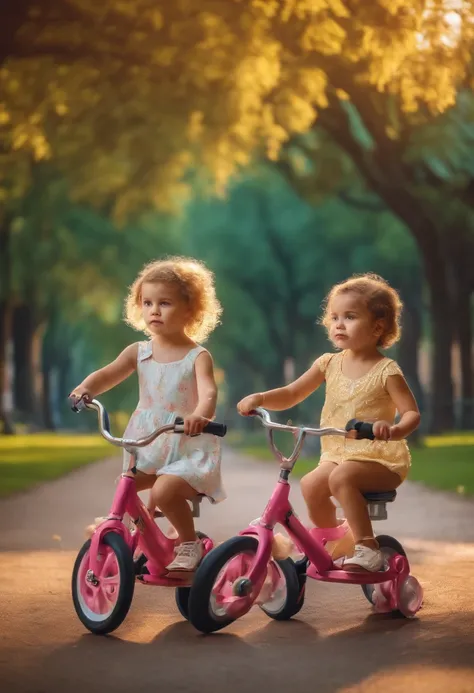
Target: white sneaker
365	558
188	556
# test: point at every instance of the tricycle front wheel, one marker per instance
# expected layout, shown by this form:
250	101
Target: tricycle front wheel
103	600
214	582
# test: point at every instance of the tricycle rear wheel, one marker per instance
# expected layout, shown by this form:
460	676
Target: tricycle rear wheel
389	547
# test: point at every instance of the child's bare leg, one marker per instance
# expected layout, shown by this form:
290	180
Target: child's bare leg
317	495
321	509
142	482
171	494
348	482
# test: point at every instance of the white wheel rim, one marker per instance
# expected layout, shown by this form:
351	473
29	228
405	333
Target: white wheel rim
279	596
86	610
219	611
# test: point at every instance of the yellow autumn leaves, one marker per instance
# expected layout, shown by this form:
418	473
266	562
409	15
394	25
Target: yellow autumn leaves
147	90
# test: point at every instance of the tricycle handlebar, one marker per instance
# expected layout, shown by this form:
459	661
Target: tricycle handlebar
354	429
177	426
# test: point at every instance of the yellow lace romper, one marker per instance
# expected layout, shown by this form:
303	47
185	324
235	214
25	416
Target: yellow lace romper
366	399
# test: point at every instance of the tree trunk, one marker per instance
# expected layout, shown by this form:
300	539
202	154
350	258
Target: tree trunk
47	399
14	15
27	338
442	322
442	412
49	364
386	175
409	346
64	378
464	330
460	248
22	362
5	325
5	321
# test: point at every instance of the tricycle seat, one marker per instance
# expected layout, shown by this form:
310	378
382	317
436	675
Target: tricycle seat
380	496
376	503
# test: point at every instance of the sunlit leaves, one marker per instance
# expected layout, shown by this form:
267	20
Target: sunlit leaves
127	96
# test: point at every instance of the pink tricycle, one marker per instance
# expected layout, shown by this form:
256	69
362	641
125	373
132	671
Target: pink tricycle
241	572
105	572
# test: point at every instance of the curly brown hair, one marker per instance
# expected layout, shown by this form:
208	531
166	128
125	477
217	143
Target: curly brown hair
196	285
381	299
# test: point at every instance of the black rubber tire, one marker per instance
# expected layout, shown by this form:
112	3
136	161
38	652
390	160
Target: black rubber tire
181	596
385	542
127	584
293	602
182	593
199	599
301	567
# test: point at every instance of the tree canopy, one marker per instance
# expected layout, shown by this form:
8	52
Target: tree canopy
110	111
213	83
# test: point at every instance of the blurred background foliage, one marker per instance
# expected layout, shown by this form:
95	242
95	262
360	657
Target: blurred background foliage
286	143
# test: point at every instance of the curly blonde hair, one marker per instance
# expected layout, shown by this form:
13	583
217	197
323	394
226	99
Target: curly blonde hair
196	285
381	299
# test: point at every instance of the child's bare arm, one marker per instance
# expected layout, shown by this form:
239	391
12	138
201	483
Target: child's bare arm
207	395
285	397
106	378
206	386
403	399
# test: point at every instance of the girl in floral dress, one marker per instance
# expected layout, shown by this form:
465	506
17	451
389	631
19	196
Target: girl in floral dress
174	302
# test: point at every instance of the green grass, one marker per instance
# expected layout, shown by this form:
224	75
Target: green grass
26	460
444	462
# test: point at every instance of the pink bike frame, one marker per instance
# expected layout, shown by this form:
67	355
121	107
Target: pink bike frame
158	548
148	537
310	542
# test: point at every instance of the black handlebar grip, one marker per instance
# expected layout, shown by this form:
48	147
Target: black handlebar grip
216	429
364	430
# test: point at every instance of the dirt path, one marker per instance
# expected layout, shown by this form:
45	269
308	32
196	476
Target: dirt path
336	644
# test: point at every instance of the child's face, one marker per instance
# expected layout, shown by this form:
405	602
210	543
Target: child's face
352	325
164	309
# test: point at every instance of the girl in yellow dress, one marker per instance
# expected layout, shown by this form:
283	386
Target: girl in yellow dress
362	316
